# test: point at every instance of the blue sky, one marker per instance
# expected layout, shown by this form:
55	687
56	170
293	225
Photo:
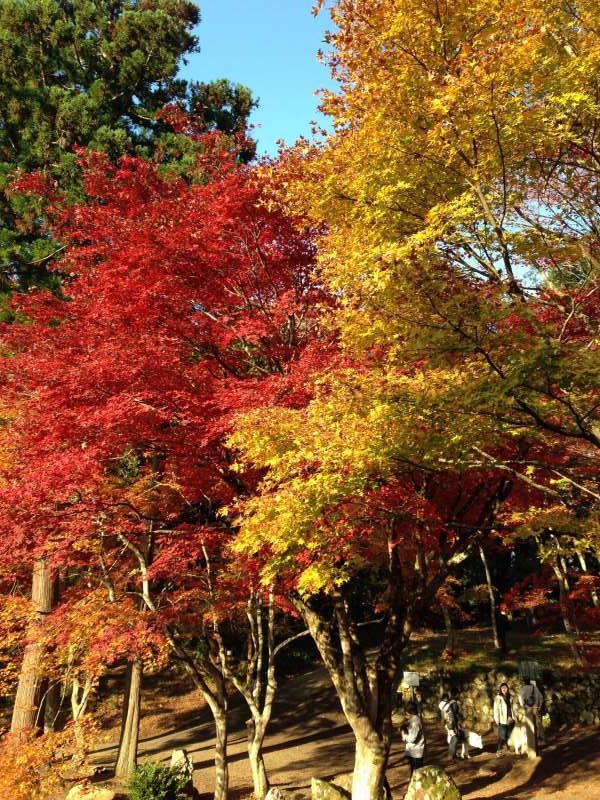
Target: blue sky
271	46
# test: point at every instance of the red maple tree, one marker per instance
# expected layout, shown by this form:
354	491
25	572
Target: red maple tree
183	303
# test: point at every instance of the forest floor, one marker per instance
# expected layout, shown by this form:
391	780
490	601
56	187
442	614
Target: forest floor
309	737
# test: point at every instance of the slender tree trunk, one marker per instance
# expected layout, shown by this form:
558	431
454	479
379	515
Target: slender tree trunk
560	570
215	696
256	737
130	720
563	588
488	579
207	676
52	706
130	725
449	629
259	693
80	696
584	569
257	683
27	717
221	762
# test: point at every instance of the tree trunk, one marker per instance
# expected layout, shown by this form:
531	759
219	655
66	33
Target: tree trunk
215	696
563	588
560	570
449	630
584	569
488	580
80	696
370	763
256	737
221	765
27	717
130	723
52	706
366	699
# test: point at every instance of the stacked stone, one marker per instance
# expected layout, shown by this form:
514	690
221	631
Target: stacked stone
569	699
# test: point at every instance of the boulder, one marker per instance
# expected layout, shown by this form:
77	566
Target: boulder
85	791
275	793
180	760
324	790
432	783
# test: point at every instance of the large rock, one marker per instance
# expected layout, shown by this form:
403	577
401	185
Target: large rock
323	790
432	783
275	793
84	791
181	761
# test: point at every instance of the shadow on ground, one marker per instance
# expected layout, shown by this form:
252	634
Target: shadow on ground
309	737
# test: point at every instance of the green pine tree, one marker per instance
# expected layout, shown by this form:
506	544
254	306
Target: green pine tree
90	73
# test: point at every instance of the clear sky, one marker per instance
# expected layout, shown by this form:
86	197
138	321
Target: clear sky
271	47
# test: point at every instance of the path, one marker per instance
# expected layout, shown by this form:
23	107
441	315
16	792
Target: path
309	737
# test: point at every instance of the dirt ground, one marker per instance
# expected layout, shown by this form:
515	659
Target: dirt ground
309	737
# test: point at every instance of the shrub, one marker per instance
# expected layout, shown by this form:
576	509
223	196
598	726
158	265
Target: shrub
155	782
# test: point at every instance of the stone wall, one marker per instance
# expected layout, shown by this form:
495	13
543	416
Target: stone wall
569	699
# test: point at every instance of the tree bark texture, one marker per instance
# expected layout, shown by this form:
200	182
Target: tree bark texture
28	716
130	725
